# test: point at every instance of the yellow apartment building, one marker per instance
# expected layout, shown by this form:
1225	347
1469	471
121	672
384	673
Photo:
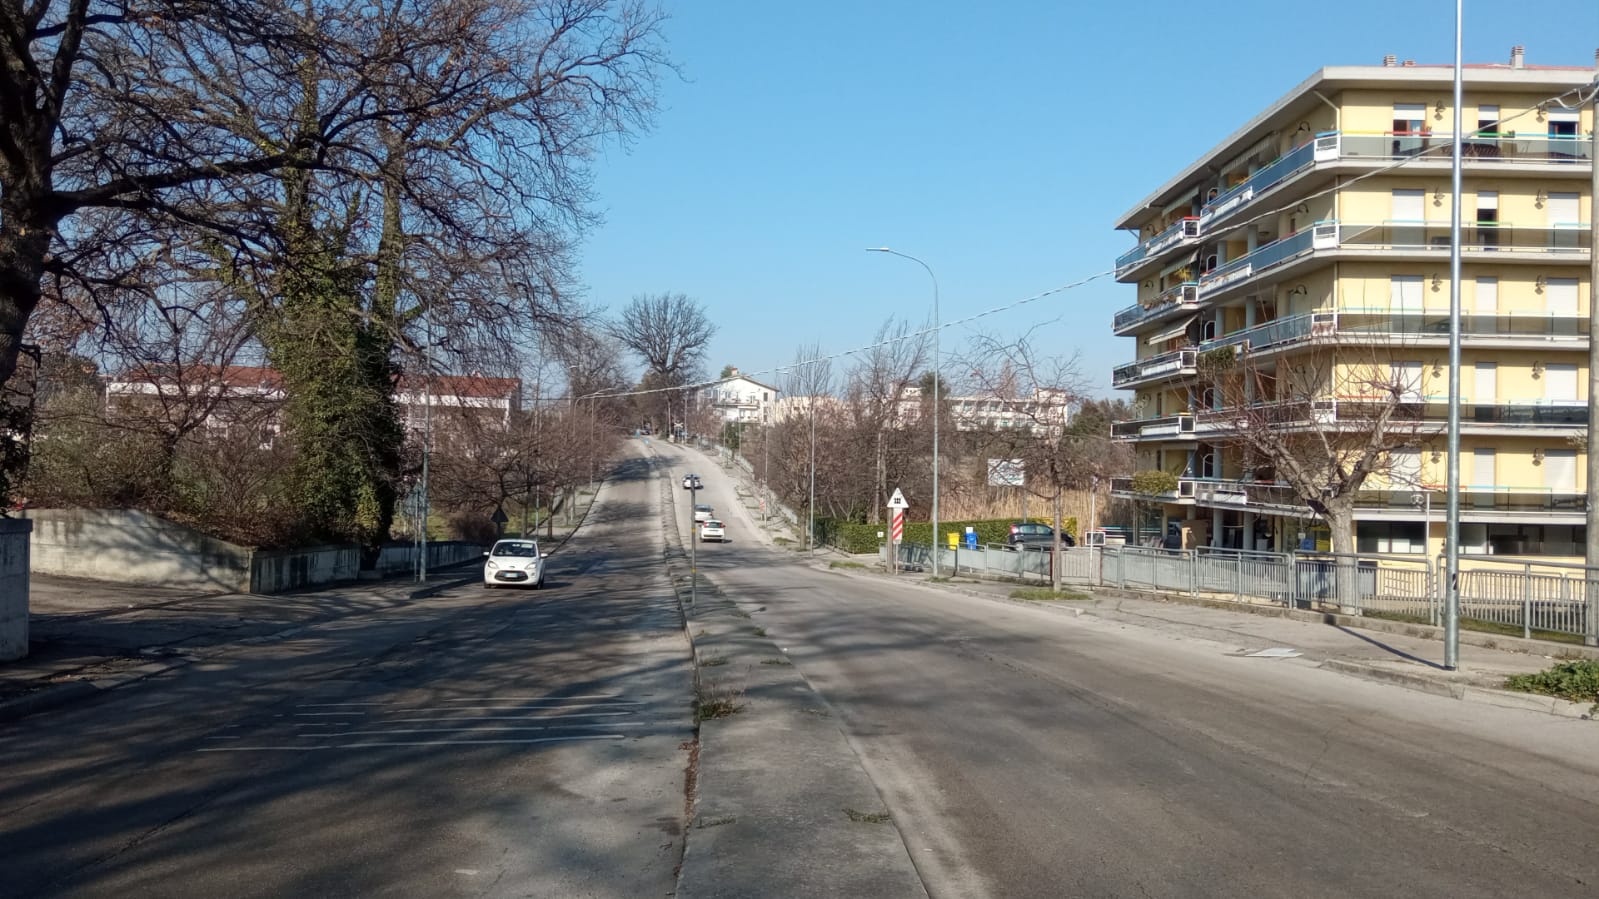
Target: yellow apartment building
1314	242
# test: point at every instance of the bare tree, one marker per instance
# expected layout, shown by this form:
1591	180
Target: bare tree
452	139
877	387
1040	391
807	383
670	334
1324	423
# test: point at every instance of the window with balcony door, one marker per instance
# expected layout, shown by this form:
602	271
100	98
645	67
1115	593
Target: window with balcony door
1563	130
1560	298
1560	471
1405	302
1564	219
1560	384
1408	218
1488	120
1484	476
1488	218
1486	301
1406	376
1485	390
1410	123
1404	467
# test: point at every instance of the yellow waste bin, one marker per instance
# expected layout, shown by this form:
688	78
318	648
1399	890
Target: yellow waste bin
954	539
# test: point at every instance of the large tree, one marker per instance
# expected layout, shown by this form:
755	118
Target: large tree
450	137
670	334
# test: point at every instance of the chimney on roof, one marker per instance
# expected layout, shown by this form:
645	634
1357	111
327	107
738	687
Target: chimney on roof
1518	56
1390	60
1410	62
733	370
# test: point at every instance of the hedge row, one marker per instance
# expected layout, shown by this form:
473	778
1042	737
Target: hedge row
854	537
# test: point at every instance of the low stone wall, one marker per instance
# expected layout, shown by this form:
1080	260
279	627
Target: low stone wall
133	547
130	547
401	557
282	570
14	588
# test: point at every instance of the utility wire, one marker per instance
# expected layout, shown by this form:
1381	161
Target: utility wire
1580	99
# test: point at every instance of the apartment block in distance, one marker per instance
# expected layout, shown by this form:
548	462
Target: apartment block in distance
1321	230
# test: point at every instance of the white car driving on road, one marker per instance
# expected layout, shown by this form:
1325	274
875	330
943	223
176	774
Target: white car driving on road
711	529
517	563
703	513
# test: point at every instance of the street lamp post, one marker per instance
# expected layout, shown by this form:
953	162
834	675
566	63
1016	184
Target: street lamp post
937	390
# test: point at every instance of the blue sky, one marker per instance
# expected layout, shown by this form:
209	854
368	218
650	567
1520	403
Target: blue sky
997	142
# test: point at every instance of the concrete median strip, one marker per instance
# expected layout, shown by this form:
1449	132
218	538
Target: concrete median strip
782	805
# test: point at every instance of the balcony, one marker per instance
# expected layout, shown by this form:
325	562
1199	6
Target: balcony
1508	500
1357	413
1183	297
1183	231
1167	426
1175	364
1324	148
1536	149
1533	330
1321	236
1122	488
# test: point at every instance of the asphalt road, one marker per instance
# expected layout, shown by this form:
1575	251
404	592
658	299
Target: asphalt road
1026	752
480	743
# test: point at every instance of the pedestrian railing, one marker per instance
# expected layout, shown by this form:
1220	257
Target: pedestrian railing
1540	599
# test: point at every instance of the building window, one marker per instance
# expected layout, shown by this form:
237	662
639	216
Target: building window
1410	123
1391	537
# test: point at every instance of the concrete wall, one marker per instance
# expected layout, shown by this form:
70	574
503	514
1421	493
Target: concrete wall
281	570
134	547
14	588
131	547
397	558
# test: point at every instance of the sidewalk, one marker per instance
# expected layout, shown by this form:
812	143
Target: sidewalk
1373	649
89	636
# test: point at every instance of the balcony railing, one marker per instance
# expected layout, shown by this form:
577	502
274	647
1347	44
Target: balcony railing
1360	413
1163	426
1291	163
1184	296
1177	362
1499	237
1321	236
1184	229
1278	498
1551	149
1313	325
1480	498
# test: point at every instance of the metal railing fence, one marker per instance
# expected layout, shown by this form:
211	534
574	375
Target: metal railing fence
1538	598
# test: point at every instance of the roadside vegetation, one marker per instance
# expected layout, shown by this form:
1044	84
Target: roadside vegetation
1576	680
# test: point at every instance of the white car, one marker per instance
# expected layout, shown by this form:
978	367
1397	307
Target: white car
517	563
711	529
692	482
703	513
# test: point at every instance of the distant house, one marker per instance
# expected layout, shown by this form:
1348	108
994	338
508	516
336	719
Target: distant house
741	399
229	396
1043	412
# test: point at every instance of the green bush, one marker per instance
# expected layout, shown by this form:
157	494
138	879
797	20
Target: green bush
849	536
1154	482
1577	681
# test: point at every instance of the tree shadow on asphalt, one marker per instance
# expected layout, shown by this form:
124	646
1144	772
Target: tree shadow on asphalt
125	794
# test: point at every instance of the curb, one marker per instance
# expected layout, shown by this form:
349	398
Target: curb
1465	692
74	691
